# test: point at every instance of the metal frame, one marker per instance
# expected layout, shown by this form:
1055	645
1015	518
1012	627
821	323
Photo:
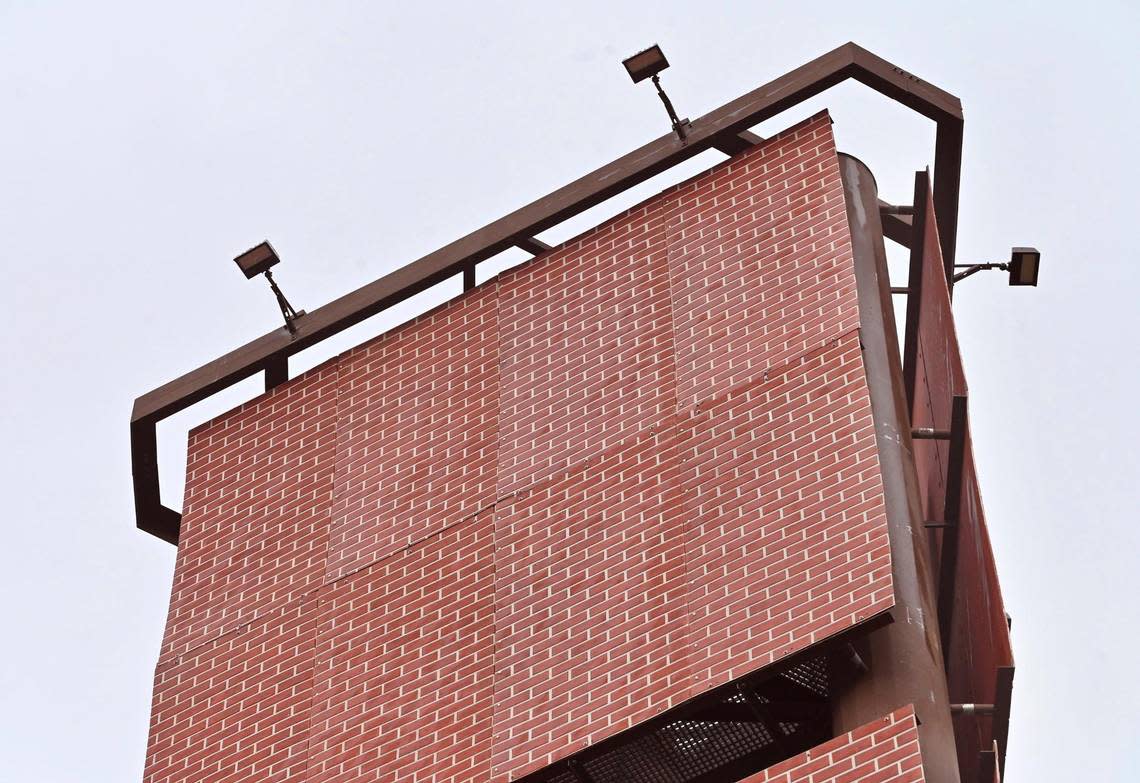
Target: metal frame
725	129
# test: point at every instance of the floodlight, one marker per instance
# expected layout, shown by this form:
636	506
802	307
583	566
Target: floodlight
1023	265
644	64
648	64
257	261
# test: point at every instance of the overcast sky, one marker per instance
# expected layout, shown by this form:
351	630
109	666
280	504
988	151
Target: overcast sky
142	147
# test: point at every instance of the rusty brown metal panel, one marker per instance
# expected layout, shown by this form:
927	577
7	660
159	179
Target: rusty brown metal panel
980	659
938	375
948	176
974	632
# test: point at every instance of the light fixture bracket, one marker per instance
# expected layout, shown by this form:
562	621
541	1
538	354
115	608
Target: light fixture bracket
1022	266
648	64
258	261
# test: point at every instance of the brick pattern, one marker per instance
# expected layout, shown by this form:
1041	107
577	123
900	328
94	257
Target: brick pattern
236	710
255	522
883	751
550	509
760	260
417	436
787	540
587	345
589	605
405	665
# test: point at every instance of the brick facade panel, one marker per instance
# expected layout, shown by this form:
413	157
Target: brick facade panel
760	261
236	710
417	431
587	347
256	517
589	609
637	467
883	751
787	540
405	665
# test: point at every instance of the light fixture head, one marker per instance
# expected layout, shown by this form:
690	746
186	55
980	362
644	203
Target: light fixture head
257	260
644	64
1023	265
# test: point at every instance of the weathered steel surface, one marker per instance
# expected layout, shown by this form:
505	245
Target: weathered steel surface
905	657
974	630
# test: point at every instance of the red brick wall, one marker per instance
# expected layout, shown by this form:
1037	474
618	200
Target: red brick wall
405	664
786	529
883	751
259	493
417	436
628	471
587	348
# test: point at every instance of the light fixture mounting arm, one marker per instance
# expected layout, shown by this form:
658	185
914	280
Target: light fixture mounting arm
970	269
287	310
679	126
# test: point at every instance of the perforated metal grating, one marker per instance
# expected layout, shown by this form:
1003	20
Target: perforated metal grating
721	736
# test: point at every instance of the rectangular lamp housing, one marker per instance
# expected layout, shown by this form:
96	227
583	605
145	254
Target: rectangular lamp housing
257	260
1023	265
646	63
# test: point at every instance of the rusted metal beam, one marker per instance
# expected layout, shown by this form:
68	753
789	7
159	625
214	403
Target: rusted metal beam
276	373
532	245
947	179
897	225
1003	698
929	433
914	284
947	569
734	145
719	127
763	713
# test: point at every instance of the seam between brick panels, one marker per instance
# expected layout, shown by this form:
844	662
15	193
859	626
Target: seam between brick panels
278	609
318	614
653	429
686	523
825	342
658	429
664	421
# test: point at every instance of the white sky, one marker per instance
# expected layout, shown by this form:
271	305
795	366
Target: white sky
142	148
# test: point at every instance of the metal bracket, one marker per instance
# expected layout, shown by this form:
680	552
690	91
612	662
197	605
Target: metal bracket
970	269
929	433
